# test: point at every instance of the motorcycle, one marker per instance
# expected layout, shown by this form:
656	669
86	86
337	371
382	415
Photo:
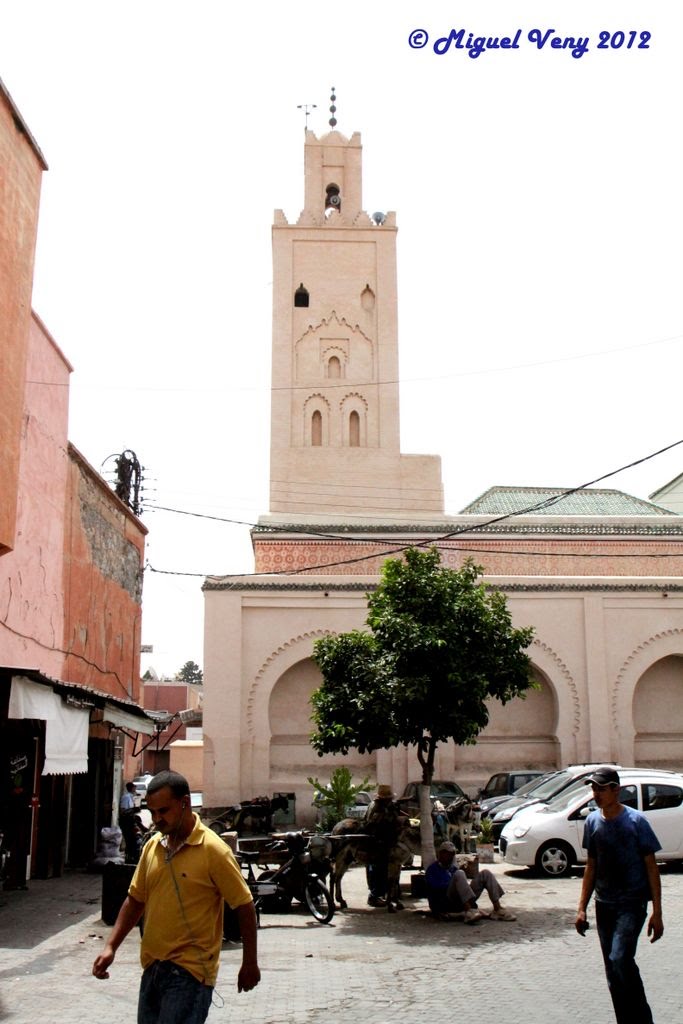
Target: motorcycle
296	879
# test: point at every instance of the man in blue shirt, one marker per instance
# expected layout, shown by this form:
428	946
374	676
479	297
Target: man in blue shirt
622	870
448	889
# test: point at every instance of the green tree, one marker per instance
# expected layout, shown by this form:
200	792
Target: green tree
190	673
439	646
336	795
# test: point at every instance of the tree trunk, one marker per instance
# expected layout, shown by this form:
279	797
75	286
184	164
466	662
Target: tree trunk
425	754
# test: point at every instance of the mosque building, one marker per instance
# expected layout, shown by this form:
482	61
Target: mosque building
597	573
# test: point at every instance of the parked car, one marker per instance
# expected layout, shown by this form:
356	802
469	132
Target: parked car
442	790
548	837
360	808
503	785
546	790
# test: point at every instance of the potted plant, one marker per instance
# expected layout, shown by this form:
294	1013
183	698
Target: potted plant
334	797
485	841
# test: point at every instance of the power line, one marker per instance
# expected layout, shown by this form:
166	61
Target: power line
330	385
431	541
70	654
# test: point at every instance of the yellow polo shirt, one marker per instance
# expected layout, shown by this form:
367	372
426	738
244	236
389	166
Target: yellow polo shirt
183	899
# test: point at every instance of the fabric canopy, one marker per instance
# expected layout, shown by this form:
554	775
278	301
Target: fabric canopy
66	729
125	720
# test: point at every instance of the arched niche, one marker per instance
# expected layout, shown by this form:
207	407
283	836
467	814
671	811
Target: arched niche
661	646
521	733
316	421
367	298
354	421
316	428
290	726
658	714
334	368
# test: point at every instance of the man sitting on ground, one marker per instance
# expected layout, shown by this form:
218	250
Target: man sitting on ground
450	891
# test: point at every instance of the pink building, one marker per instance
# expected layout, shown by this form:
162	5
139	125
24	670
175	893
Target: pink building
71	557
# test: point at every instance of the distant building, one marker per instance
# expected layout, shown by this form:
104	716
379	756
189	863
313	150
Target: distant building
671	495
164	700
71	558
597	573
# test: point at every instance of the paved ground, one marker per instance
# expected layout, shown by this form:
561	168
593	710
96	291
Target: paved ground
365	964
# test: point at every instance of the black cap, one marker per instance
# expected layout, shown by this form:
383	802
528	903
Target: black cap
603	777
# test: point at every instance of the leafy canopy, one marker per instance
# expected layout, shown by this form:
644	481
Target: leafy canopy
439	646
190	673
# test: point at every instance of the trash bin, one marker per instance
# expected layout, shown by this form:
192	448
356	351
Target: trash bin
115	881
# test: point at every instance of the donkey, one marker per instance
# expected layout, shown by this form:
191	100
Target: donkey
351	846
462	816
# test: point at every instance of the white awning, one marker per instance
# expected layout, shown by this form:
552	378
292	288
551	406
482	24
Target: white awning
125	720
66	729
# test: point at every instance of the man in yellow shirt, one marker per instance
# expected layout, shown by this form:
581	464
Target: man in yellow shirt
184	875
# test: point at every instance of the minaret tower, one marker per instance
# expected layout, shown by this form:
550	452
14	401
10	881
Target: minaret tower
335	447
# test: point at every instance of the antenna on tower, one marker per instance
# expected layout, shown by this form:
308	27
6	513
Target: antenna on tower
307	108
333	110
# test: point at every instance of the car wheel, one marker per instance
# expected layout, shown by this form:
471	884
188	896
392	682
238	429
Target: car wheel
555	859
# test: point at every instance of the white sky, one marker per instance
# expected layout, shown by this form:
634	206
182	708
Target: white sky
538	199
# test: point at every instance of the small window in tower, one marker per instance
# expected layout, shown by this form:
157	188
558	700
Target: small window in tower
334	368
354	430
301	296
316	429
332	197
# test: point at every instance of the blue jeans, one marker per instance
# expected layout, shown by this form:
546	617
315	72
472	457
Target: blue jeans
171	995
618	929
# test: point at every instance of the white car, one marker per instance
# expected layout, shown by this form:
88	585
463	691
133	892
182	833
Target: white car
549	837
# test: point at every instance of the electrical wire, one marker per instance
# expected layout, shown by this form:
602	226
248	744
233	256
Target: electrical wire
329	385
430	541
69	654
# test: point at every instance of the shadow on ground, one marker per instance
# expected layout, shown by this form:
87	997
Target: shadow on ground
30	916
543	910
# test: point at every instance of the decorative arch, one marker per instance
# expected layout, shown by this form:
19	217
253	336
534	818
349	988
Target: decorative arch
354	434
277	662
552	667
356	350
658	646
354	429
334	356
316	411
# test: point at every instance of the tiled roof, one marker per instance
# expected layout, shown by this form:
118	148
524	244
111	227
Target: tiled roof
537	501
